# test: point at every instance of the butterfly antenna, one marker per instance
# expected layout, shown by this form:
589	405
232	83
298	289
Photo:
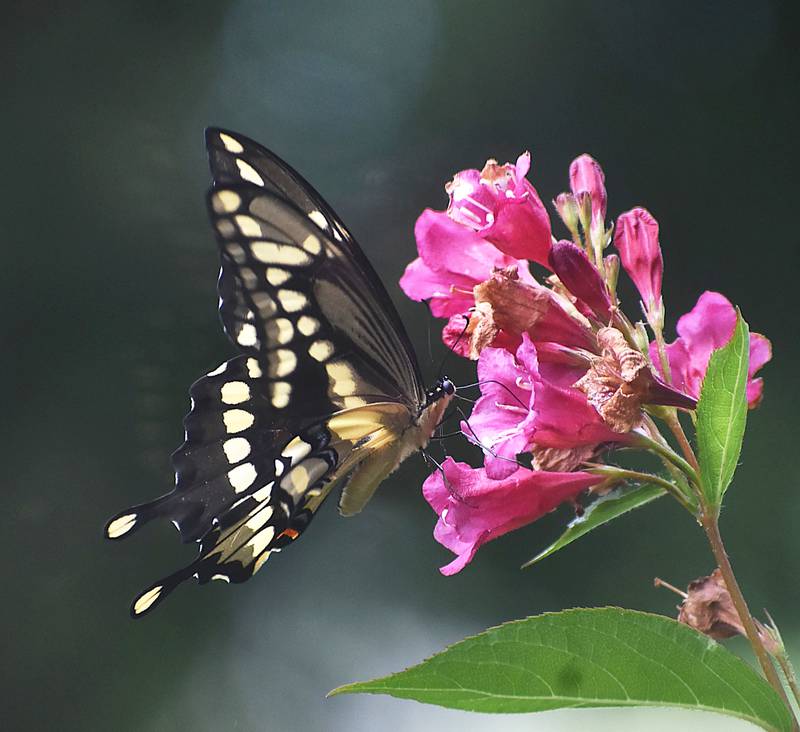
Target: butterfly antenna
476	441
498	383
452	349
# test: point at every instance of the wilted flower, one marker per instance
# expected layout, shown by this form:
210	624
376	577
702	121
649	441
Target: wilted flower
620	381
709	325
507	303
636	239
474	509
707	607
503	207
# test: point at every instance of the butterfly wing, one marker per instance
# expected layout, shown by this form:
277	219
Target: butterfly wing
234	158
324	385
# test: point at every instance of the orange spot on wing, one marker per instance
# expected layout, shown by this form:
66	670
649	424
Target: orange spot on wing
291	533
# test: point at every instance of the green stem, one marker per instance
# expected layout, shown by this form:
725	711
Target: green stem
711	527
676	428
624	473
788	672
666	452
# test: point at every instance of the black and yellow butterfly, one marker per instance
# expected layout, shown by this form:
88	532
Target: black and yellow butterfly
325	391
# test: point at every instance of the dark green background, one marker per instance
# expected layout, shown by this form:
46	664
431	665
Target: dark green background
108	282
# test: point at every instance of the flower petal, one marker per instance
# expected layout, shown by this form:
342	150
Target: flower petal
474	509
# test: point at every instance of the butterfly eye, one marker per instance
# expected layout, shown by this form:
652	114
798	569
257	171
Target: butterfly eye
448	387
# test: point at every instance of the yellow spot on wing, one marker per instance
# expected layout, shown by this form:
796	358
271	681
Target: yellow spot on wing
235	392
236	449
321	350
248	172
277	276
280	391
282	362
248	225
319	219
271	252
146	599
292	300
226	201
242	476
307	325
237	420
121	525
231	145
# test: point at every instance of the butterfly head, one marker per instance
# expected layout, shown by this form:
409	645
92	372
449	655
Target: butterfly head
442	388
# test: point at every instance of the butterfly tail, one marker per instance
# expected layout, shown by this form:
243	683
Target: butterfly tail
132	519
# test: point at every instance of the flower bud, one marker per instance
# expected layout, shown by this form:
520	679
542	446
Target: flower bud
567	208
636	239
580	277
586	179
611	267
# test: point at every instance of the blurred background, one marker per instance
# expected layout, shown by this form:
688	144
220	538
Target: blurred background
110	313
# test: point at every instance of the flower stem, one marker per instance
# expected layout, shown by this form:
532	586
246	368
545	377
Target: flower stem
789	674
665	451
711	527
676	428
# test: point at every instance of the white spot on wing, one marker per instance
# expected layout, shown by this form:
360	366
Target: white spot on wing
121	525
248	172
319	219
247	335
292	300
279	392
282	362
261	540
260	518
225	201
253	369
312	244
307	325
271	252
146	599
277	276
248	225
235	392
230	144
236	449
321	350
237	420
242	476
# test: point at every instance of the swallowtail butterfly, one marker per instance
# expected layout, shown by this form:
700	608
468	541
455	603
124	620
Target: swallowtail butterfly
325	391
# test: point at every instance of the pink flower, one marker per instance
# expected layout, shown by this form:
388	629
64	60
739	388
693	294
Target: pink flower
586	179
453	259
474	509
580	277
706	327
636	239
528	406
503	207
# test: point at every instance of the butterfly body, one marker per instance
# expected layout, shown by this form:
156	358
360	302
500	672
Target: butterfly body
324	394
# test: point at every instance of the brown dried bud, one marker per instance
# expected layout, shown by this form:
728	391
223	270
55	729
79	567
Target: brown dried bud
708	608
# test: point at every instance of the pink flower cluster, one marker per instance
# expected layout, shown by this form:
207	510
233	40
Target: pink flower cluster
564	374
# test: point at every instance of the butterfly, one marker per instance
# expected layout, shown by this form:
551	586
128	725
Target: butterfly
325	391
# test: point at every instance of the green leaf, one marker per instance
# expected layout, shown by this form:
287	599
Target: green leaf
722	413
603	510
602	657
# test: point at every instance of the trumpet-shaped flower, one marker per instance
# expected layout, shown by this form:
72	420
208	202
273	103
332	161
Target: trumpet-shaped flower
709	325
501	205
474	508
